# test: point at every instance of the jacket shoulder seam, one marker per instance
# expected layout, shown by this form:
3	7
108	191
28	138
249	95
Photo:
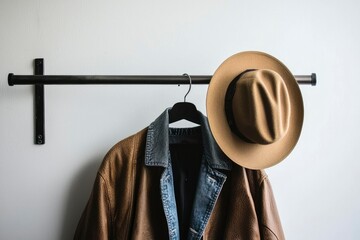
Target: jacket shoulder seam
107	198
261	182
133	171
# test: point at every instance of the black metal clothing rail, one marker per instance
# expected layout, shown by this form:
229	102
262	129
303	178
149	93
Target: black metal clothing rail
39	80
124	79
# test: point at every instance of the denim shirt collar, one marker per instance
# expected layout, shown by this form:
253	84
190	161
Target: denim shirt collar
157	144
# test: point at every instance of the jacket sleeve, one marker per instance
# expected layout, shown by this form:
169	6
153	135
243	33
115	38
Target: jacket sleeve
269	220
95	222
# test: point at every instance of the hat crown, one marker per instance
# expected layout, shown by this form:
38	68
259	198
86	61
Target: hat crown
261	106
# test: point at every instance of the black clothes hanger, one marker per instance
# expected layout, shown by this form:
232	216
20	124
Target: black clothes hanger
184	110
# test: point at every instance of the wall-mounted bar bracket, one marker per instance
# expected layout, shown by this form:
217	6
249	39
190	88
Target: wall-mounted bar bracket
39	104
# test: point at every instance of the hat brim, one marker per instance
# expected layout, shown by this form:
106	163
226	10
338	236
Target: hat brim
250	155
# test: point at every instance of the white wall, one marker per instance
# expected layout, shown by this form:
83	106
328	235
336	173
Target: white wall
43	189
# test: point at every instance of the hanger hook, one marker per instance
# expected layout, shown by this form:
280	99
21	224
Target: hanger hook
187	75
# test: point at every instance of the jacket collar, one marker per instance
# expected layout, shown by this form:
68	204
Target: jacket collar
157	151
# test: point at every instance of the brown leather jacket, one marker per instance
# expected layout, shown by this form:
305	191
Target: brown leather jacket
125	202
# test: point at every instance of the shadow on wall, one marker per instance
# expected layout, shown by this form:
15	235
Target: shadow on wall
77	198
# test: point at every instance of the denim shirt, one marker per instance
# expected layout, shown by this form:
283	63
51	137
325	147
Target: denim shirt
210	180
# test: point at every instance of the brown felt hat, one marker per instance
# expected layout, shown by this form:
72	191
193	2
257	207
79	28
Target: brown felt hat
255	109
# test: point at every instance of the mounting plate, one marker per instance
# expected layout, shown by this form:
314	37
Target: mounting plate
39	104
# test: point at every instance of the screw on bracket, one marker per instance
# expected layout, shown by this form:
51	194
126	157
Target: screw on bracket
39	139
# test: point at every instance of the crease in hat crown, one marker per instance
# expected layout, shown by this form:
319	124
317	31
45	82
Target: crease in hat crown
261	106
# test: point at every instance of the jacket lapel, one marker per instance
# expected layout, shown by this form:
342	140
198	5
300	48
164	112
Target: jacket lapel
169	203
210	183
